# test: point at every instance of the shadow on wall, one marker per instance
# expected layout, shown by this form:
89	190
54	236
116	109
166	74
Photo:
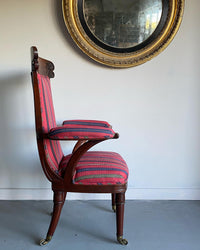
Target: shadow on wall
17	143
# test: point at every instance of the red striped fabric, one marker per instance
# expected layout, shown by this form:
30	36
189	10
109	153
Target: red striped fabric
80	131
98	168
88	123
52	148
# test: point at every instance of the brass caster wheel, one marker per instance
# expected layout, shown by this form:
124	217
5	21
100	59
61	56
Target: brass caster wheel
114	208
122	241
43	242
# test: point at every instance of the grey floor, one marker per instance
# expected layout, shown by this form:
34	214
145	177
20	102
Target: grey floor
149	225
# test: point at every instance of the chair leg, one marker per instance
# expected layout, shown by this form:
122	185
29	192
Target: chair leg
114	202
59	200
120	201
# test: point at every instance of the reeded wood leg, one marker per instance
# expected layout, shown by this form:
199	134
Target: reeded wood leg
59	200
113	202
120	201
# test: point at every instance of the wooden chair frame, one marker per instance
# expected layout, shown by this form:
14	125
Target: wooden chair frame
61	186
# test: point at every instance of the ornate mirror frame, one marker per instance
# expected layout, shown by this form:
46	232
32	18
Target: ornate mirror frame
172	13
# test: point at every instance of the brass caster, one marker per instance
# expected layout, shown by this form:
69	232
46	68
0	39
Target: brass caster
114	208
43	242
122	241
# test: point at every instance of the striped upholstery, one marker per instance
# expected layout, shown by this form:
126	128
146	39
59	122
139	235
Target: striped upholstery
52	148
88	123
98	168
81	131
95	167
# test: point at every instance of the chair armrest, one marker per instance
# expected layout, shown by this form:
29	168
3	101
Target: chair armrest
81	132
88	123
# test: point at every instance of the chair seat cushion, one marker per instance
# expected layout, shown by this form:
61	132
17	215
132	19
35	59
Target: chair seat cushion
98	168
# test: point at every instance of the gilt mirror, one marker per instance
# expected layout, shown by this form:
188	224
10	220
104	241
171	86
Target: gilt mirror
122	33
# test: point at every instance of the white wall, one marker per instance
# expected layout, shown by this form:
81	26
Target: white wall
155	106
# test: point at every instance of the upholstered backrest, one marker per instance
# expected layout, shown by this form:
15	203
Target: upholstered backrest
53	151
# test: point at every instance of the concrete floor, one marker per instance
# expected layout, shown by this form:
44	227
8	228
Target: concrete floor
149	225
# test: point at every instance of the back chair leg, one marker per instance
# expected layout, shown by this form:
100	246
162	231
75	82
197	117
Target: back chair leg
114	202
59	200
120	201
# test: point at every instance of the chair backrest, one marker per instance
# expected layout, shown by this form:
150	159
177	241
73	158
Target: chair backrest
49	150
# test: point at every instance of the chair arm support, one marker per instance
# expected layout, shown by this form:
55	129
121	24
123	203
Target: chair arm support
81	142
78	144
81	132
76	155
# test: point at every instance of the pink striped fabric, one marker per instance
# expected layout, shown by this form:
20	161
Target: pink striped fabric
94	168
98	168
52	148
81	130
88	123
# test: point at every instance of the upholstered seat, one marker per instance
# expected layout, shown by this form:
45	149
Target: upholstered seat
98	168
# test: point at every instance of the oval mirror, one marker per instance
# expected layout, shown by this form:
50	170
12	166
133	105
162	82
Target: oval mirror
122	33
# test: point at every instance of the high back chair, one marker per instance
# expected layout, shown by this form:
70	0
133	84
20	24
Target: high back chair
81	171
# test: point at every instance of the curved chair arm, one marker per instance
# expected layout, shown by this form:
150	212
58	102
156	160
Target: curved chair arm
78	144
79	150
81	142
75	157
80	132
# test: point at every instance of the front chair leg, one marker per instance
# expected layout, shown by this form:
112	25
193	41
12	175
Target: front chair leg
59	200
120	201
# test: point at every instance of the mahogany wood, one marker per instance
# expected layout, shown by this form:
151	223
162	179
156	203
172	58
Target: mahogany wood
78	144
113	200
120	201
59	200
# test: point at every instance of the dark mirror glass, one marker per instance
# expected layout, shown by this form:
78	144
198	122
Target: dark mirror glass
122	23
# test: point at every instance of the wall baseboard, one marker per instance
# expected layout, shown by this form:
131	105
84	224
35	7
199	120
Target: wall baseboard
131	194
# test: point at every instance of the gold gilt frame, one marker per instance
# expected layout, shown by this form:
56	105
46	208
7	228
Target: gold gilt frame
141	55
